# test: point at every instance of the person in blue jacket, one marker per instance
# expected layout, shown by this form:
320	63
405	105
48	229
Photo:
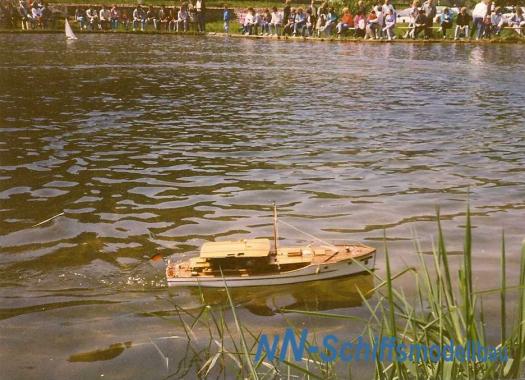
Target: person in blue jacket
445	21
226	17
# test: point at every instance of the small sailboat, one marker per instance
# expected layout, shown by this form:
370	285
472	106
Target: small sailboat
256	262
69	32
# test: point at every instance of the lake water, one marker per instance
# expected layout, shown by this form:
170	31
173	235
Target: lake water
155	144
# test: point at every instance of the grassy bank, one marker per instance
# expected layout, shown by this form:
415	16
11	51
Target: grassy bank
216	28
447	309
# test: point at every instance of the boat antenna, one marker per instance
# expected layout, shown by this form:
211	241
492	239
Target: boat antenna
275	231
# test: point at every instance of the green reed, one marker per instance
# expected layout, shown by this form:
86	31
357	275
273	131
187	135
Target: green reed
446	308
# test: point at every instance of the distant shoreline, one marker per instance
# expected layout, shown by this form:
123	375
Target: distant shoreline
505	40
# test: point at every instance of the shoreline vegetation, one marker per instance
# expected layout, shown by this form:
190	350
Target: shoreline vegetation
505	39
446	309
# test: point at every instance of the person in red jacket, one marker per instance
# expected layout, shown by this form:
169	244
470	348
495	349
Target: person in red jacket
347	21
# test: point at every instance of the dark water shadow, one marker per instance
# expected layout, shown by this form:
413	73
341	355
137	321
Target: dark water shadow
109	353
13	312
270	300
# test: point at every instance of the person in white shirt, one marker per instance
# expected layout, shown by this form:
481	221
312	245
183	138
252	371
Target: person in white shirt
92	18
276	22
388	11
518	21
249	21
411	28
183	19
104	17
380	18
139	17
478	17
387	8
390	24
36	15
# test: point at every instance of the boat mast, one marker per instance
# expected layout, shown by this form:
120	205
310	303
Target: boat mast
275	232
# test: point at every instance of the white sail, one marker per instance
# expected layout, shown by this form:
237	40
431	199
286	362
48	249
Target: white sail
69	32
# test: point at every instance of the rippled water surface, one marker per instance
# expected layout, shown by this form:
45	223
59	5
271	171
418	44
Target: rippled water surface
155	144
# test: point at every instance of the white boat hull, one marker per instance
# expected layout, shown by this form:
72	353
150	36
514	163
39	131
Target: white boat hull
312	272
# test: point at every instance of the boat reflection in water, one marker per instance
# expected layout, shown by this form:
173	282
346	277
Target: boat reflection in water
269	300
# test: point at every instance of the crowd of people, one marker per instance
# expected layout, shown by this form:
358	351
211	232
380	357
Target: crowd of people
176	19
380	21
376	22
36	15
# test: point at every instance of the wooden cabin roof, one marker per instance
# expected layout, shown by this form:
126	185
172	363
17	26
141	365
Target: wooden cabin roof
242	248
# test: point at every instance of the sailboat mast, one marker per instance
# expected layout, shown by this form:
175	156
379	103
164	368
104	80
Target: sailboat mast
275	231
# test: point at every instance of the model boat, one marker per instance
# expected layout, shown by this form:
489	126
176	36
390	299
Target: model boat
257	262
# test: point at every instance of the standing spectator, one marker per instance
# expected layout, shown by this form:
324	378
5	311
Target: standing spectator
23	13
414	10
286	11
313	8
390	24
114	17
289	23
276	22
200	8
378	7
320	21
226	18
192	17
430	13
445	21
139	18
361	8
386	9
478	15
104	17
462	24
